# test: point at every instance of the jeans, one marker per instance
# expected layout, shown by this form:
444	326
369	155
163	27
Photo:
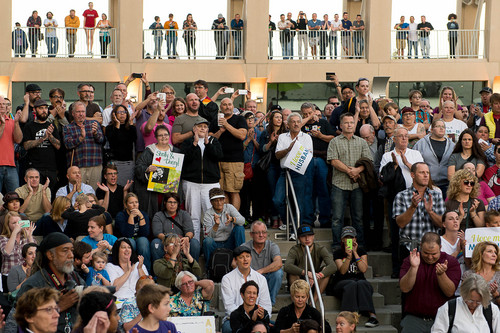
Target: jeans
273	174
190	41
333	46
236	238
321	194
158	42
157	251
304	195
286	49
8	178
323	43
171	45
274	283
340	198
270	45
359	44
52	46
425	46
413	45
394	233
414	324
237	43
226	327
142	248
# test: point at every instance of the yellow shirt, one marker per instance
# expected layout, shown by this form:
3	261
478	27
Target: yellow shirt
72	23
35	210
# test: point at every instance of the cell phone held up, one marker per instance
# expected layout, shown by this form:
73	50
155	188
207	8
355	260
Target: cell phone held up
330	76
137	75
24	223
348	244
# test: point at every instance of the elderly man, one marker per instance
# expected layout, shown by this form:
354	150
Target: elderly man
266	258
367	133
344	151
429	279
231	131
36	196
41	141
116	98
10	133
83	138
86	96
295	264
55	255
75	186
232	281
286	141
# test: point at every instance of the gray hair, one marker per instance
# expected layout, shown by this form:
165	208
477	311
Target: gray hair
307	105
168	86
293	114
178	279
75	104
399	128
31	169
256	223
452	103
477	283
370	127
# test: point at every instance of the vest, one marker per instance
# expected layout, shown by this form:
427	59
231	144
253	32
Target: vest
490	122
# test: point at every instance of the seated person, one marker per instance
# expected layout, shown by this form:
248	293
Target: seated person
172	219
248	314
75	186
290	316
96	274
37	197
176	259
111	194
153	303
295	264
53	222
79	216
12	203
222	224
129	314
194	296
18	274
107	216
98	239
82	253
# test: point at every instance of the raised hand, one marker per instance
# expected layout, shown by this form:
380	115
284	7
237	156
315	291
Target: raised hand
415	200
428	203
441	268
94	128
229	219
103	187
128	185
82	130
414	258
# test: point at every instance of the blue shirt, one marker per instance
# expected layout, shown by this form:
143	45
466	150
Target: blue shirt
91	277
402	34
92	242
346	24
311	24
236	25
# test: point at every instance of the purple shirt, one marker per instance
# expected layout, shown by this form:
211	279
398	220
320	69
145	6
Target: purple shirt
165	327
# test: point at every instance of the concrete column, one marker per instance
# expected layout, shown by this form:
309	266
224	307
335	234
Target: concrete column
256	31
6	27
129	23
491	27
378	32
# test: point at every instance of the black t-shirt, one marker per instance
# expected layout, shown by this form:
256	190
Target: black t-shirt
293	27
319	146
424	25
31	113
301	24
439	147
44	155
115	199
232	147
353	272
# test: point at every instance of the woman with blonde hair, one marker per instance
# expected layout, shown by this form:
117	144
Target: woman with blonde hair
462	198
53	222
448	94
346	322
485	263
15	234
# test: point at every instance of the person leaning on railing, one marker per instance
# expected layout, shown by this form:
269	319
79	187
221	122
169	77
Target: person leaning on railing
71	21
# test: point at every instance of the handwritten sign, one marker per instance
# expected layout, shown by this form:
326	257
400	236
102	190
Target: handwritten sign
474	236
201	324
298	158
167	176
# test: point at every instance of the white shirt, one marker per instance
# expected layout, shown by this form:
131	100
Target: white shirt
63	191
412	155
106	114
127	290
412	35
50	31
336	24
230	290
465	322
284	141
454	128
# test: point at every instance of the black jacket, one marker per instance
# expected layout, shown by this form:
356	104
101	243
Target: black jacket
368	179
242	323
198	169
393	181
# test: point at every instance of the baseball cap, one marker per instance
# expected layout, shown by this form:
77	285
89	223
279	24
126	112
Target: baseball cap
486	89
390	117
407	109
32	87
220	16
304	230
241	249
201	121
348	231
40	102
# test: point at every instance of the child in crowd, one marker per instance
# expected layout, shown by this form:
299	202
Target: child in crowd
82	253
96	274
79	215
129	314
153	302
392	109
492	219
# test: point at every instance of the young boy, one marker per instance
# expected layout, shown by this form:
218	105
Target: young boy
492	219
129	314
392	109
153	302
96	274
82	256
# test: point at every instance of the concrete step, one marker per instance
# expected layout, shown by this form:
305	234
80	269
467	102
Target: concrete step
387	287
381	263
385	315
319	234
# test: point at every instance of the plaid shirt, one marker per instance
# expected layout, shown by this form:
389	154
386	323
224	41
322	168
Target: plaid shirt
87	153
15	257
494	204
421	221
348	152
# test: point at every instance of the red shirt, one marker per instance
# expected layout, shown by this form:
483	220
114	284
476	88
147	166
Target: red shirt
7	144
91	16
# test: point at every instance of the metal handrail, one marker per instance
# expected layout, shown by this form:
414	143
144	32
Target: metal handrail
290	190
316	286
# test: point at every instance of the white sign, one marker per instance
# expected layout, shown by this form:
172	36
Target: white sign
201	324
298	158
474	236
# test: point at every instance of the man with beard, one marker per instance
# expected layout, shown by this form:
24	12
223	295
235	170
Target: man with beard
41	140
54	261
183	124
32	93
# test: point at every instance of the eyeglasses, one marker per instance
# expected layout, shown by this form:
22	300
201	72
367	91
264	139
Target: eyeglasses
57	97
111	173
473	302
259	232
87	91
469	182
251	118
172	202
35	92
50	310
169	93
189	283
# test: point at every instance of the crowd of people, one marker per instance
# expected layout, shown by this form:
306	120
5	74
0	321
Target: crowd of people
46	30
77	176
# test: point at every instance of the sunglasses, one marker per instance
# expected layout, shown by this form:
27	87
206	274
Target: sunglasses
469	182
337	103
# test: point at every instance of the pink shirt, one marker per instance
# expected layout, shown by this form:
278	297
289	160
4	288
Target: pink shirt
485	192
150	138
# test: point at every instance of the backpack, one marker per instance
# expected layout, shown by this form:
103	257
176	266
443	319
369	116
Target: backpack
220	264
452	308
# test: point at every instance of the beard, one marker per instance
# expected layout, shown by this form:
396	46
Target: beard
42	116
65	266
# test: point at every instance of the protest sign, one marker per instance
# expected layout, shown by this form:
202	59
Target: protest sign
167	176
474	236
298	158
201	324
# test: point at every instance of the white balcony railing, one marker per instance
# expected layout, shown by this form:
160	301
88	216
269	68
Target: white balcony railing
64	42
199	44
439	44
299	45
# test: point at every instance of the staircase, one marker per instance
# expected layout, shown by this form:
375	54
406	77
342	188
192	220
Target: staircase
386	295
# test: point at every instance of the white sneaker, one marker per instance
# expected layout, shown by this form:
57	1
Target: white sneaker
292	237
282	227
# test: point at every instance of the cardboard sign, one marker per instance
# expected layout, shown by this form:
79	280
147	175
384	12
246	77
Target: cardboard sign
474	236
167	176
298	158
201	324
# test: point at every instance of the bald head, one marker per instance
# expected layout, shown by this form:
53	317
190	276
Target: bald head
193	103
